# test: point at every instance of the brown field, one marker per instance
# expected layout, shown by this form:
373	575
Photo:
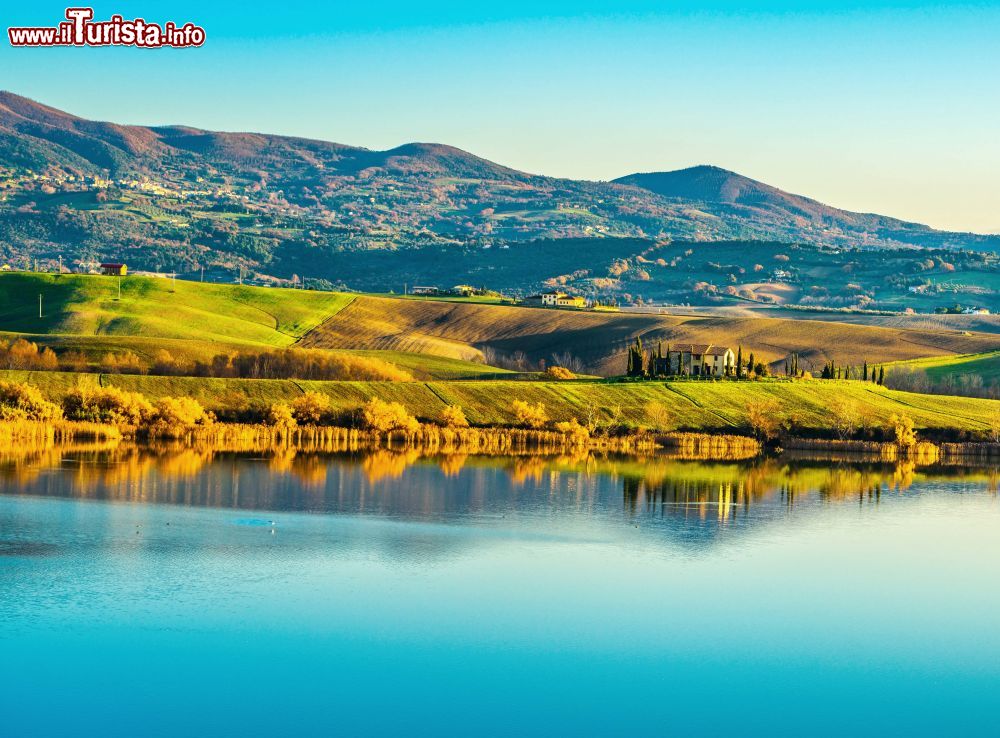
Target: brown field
465	330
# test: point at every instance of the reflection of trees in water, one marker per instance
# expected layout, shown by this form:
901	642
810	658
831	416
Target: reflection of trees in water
719	491
286	478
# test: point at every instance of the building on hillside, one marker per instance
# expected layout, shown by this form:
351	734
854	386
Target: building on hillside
696	359
114	270
573	301
417	290
552	298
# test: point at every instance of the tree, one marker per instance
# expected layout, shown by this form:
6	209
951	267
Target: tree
864	375
174	416
739	362
281	417
660	416
845	417
311	408
881	376
751	364
903	432
636	360
762	416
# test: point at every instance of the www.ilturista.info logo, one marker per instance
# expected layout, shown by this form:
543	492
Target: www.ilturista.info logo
79	29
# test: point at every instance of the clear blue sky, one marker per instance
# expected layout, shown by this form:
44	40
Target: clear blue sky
888	107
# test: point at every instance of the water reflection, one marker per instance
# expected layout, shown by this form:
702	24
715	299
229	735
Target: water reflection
408	484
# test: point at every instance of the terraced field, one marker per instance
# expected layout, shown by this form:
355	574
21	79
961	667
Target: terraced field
465	330
692	405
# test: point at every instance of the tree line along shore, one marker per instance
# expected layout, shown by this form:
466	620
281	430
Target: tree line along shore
498	416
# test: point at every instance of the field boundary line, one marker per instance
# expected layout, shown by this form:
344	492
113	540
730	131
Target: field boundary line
435	393
327	319
698	405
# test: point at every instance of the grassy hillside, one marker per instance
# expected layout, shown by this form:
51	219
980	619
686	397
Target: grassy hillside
937	368
87	305
703	406
464	330
191	320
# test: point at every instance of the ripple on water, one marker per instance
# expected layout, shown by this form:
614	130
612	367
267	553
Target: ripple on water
27	548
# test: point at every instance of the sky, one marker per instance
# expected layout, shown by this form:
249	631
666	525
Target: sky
887	107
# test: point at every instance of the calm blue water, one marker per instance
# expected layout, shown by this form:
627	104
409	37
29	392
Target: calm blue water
199	595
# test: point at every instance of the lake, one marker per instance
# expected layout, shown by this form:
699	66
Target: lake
192	593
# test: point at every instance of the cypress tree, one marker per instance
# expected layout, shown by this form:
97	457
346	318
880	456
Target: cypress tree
881	376
865	375
739	361
750	364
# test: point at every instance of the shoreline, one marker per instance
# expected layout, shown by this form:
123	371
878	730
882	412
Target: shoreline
431	440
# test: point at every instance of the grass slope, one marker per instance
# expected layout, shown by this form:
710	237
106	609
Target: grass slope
85	305
463	330
702	406
986	365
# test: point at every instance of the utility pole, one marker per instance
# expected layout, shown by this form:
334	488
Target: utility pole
60	263
203	274
39	304
173	282
119	286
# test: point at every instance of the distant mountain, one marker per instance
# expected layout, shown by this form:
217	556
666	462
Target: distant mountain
177	197
729	194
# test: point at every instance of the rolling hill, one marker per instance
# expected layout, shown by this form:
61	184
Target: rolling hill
597	341
177	198
428	338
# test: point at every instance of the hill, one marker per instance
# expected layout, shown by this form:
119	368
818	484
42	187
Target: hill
429	338
191	321
596	342
178	198
716	186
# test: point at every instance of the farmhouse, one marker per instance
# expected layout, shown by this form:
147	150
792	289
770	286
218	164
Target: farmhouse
696	359
553	298
115	270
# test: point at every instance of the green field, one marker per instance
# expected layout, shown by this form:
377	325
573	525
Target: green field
84	305
696	406
985	365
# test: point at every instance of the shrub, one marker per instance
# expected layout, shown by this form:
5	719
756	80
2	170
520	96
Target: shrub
106	405
576	433
559	372
528	415
297	363
280	416
311	408
25	402
164	364
174	416
123	363
378	415
454	417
